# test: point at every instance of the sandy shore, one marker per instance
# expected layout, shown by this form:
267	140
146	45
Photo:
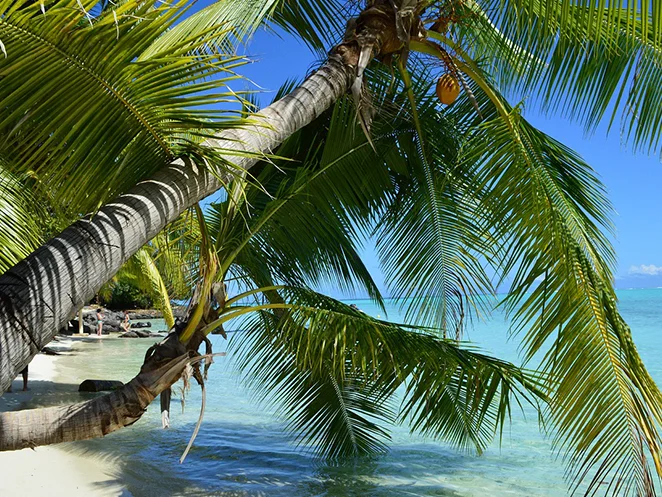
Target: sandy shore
51	471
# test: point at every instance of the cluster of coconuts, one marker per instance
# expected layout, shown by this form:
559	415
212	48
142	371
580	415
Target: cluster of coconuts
448	89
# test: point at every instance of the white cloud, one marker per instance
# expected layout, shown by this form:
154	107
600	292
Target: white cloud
647	270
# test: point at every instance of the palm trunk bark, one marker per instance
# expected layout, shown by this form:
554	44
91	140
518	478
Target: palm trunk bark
92	419
41	293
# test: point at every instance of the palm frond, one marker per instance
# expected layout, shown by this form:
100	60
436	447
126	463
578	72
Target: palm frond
176	253
336	417
599	59
477	35
429	243
84	115
340	374
289	215
319	24
549	210
229	22
148	279
22	219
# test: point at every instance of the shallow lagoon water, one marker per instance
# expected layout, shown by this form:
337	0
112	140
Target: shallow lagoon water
242	449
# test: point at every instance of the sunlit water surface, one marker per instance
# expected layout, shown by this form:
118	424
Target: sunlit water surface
242	448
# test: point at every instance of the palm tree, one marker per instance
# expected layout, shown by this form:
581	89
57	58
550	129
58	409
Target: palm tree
156	129
606	407
338	399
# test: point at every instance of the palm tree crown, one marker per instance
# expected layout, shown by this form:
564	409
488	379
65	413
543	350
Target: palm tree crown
459	198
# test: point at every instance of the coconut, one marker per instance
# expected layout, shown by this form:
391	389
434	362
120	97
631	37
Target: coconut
448	89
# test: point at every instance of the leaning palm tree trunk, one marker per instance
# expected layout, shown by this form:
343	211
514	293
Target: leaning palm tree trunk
41	293
92	419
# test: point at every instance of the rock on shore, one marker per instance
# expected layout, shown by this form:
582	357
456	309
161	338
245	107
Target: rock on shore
144	324
140	334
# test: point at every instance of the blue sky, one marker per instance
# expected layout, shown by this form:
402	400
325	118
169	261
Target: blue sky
633	181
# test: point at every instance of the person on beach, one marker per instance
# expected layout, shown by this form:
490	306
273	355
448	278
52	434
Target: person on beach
126	324
99	322
24	374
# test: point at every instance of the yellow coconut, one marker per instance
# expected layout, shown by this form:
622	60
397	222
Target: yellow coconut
448	89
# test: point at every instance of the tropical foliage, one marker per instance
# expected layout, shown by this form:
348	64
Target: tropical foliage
336	372
439	214
139	285
20	232
459	199
87	71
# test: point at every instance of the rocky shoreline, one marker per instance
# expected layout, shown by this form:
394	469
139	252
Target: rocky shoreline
112	321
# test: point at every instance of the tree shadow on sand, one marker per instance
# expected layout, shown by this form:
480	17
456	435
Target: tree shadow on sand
41	393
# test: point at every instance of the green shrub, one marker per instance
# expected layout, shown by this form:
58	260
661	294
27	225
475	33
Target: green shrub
124	295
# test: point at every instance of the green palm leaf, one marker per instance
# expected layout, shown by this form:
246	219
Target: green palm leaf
229	21
84	115
337	417
22	219
176	253
430	245
548	208
148	279
340	374
599	59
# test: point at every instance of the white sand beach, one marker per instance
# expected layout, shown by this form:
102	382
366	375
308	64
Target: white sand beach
50	471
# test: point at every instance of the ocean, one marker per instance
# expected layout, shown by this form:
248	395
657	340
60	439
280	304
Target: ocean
243	450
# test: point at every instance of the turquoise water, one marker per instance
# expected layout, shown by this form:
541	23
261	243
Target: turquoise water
242	449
